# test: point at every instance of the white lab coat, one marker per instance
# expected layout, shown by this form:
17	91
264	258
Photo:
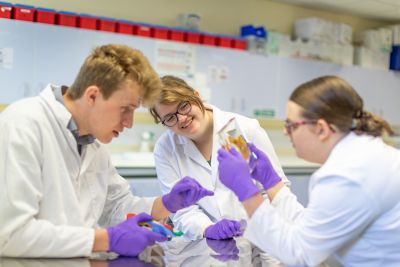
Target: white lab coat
353	212
176	157
51	198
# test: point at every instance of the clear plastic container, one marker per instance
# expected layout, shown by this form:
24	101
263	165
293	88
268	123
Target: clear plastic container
232	135
189	21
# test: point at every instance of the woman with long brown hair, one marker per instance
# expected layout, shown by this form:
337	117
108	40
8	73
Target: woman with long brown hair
354	207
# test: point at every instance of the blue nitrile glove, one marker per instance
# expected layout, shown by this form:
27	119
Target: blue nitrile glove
185	193
129	239
223	229
234	173
226	249
263	170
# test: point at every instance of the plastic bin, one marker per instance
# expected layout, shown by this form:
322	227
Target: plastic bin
45	15
395	58
66	19
24	12
5	10
208	39
126	27
161	33
225	41
86	21
240	44
107	24
192	37
177	35
144	30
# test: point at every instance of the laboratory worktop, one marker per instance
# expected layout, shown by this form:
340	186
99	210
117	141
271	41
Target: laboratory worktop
177	252
142	163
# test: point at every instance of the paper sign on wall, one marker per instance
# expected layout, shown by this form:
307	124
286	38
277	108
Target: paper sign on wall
175	59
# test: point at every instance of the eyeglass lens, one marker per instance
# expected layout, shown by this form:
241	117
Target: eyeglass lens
183	109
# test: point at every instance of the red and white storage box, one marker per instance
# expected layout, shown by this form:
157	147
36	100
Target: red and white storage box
5	10
192	37
209	39
86	21
45	15
24	12
177	35
145	30
126	27
160	32
225	41
240	43
107	24
65	18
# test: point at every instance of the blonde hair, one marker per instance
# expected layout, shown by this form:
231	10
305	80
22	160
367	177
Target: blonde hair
109	66
334	100
175	90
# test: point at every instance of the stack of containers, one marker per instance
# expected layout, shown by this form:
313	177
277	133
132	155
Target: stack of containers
374	47
5	10
86	21
322	40
256	38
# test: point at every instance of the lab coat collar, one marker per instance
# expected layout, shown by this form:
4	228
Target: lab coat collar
190	148
63	117
220	120
61	113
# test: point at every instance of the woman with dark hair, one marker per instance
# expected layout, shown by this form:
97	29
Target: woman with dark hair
354	207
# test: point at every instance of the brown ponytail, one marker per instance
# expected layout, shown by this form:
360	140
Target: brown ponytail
367	122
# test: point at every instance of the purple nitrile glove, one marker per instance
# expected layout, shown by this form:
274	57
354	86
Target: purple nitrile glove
226	249
263	170
127	261
223	229
185	193
234	173
129	239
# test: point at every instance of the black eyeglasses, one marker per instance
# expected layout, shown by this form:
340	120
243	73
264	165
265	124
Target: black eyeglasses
171	119
290	126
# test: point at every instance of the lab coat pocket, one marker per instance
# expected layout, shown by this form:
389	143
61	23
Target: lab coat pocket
94	193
